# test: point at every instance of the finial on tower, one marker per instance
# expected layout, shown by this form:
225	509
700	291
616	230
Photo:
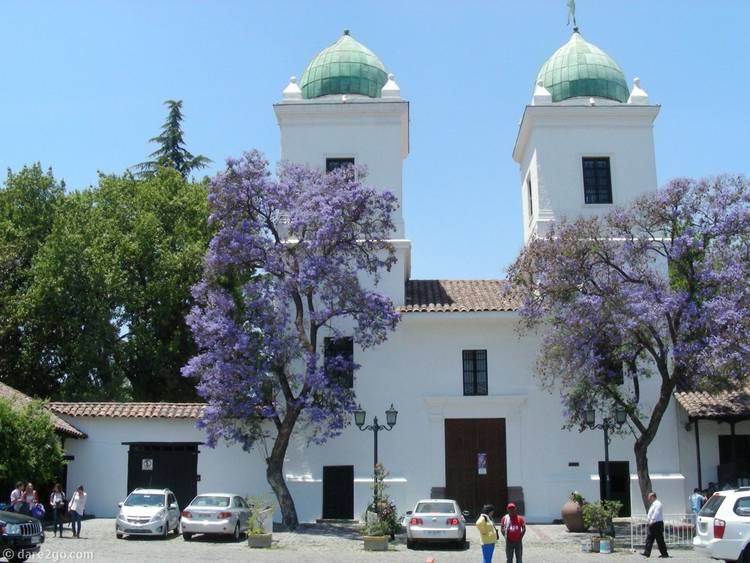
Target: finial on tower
572	14
346	32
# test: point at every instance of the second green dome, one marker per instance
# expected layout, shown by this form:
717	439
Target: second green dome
346	67
579	68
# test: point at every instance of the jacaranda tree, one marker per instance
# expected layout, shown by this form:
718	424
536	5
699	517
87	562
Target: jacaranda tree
284	270
658	290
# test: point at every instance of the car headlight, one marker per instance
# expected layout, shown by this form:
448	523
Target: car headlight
13	529
159	515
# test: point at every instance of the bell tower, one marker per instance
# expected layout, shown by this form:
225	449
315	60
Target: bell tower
348	109
585	143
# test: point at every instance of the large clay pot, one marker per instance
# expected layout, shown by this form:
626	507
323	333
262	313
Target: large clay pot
572	516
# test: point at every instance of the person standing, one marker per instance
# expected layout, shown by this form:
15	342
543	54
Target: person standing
655	527
77	507
513	527
57	503
488	535
696	500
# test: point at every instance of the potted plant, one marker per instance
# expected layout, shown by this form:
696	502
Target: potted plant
375	533
381	518
259	531
599	515
572	513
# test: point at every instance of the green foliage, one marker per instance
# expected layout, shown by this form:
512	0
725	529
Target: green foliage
599	515
382	514
578	498
29	201
171	152
29	448
259	513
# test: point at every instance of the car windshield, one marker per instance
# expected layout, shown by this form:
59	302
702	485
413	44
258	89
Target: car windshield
144	499
441	507
210	500
712	506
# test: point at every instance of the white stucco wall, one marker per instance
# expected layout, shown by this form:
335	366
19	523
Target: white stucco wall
418	370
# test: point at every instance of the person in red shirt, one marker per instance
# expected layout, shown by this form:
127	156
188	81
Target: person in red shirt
513	528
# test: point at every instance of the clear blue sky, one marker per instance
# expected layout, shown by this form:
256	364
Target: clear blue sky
83	82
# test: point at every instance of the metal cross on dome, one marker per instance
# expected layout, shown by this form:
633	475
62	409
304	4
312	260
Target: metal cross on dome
572	13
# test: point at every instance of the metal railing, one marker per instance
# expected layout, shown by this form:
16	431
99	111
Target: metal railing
679	530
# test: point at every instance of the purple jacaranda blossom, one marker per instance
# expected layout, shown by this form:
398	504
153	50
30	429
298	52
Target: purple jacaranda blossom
655	290
284	271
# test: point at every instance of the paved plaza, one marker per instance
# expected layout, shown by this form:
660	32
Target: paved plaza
319	543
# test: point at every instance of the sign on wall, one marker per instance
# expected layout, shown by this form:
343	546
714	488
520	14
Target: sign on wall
147	464
482	463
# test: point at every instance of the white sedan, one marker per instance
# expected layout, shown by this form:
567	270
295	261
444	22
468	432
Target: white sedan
215	513
436	520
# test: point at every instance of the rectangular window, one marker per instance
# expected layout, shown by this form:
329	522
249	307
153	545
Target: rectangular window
334	163
342	348
531	199
475	372
597	180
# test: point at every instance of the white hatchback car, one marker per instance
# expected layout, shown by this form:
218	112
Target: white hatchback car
436	520
152	512
723	526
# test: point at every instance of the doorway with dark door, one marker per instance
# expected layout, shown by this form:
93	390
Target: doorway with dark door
171	466
619	484
475	463
338	492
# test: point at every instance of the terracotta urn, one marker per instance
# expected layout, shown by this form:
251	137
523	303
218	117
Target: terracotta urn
572	516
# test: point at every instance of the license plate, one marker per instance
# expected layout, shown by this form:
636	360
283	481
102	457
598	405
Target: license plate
35	540
435	532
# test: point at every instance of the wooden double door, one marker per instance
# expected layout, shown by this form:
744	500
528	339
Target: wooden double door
475	463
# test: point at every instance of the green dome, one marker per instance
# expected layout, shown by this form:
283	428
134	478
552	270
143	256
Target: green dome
346	67
579	68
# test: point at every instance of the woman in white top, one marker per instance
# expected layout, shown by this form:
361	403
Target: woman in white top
77	507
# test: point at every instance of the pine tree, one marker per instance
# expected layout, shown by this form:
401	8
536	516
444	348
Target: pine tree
172	152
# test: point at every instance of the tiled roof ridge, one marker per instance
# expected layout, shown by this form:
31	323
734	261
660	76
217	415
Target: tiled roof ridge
732	403
130	409
61	426
459	296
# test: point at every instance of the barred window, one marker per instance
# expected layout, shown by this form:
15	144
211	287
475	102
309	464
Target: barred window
597	180
343	347
475	372
334	163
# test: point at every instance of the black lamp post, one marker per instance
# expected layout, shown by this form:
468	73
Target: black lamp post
609	423
359	420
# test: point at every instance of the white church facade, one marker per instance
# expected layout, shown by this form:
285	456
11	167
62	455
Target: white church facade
473	424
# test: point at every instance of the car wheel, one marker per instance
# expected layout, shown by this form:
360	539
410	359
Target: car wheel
187	536
118	535
746	555
410	543
19	556
236	534
165	533
461	544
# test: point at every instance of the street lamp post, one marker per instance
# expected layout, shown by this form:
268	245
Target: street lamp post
609	423
359	420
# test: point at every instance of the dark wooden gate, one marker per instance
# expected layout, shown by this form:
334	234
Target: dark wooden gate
338	492
619	484
475	463
164	465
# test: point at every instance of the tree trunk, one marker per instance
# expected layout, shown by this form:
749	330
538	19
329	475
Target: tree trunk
275	470
641	463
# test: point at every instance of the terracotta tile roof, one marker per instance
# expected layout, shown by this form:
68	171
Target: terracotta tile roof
130	410
726	404
459	296
62	427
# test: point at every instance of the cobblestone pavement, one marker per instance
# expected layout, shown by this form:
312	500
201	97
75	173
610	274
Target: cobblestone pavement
319	543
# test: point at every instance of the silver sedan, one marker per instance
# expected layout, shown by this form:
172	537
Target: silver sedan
436	520
215	513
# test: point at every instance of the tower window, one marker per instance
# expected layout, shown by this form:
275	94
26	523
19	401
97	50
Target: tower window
475	372
334	163
529	196
597	180
339	348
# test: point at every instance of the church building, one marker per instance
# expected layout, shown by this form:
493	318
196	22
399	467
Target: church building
473	423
